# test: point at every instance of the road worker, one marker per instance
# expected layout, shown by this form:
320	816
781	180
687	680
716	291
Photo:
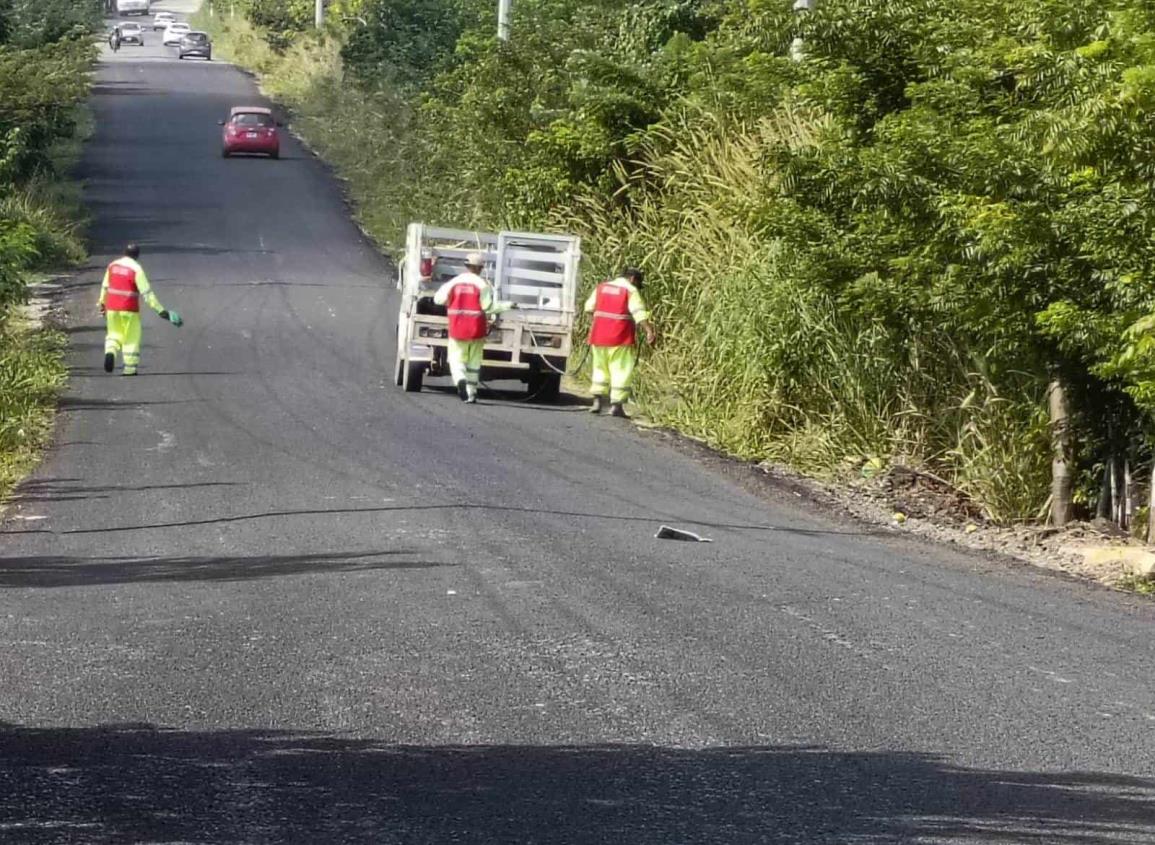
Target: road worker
469	302
125	282
618	310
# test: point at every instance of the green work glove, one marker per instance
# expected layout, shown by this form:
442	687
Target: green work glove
171	316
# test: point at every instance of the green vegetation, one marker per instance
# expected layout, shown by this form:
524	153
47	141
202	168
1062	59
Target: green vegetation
1137	584
31	373
893	250
46	53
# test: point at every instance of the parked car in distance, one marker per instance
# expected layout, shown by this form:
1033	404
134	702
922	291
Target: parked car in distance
250	129
131	33
162	20
174	32
196	44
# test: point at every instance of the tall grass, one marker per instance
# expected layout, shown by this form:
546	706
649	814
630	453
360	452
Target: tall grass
758	360
31	373
49	208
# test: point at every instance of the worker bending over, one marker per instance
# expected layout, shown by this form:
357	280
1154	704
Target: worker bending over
618	310
125	282
469	304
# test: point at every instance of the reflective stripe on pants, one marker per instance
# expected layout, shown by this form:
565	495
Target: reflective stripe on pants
613	371
465	362
124	337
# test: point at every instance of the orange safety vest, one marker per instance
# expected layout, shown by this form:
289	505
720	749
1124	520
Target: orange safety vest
613	323
466	316
122	292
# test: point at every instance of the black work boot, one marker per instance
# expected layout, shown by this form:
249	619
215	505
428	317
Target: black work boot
462	393
109	361
616	410
596	407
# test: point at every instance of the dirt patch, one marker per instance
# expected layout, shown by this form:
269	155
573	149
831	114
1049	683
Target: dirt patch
912	501
916	494
920	503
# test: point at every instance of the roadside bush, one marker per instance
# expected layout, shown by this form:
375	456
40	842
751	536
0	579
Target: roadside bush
31	373
403	42
46	53
45	56
29	24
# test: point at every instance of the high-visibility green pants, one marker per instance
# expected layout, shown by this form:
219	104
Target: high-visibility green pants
613	371
465	362
124	337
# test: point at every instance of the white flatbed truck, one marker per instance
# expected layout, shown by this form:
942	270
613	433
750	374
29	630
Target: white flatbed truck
536	272
132	7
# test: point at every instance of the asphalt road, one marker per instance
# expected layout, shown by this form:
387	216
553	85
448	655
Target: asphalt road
257	594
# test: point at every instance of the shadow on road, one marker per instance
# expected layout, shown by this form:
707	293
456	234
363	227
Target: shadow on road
135	783
69	404
511	398
463	506
98	372
121	89
277	283
33	571
198	249
70	489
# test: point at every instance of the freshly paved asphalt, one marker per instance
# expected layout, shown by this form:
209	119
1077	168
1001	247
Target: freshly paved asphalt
257	594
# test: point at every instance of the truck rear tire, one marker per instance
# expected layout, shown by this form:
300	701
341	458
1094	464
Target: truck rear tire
545	387
399	371
414	375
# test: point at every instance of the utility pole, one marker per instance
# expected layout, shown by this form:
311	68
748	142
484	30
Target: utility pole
319	14
801	7
503	9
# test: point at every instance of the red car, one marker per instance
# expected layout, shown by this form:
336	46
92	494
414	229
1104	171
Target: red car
250	129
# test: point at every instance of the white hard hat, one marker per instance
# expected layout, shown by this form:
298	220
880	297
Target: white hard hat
475	259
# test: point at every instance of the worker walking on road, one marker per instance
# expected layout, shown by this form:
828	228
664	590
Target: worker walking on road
469	304
618	310
125	282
